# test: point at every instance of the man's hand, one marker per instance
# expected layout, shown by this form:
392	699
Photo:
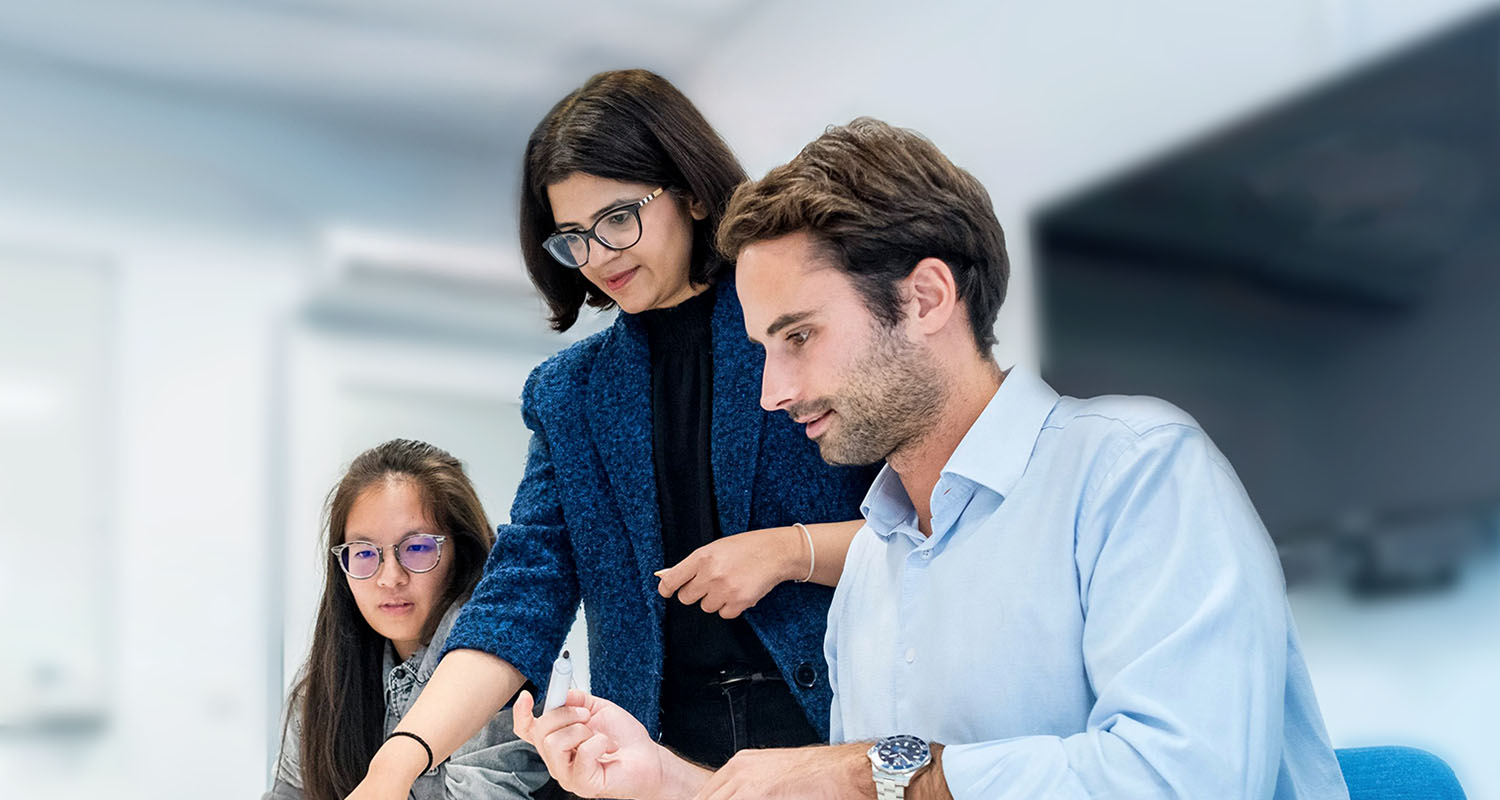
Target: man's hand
594	748
732	574
840	772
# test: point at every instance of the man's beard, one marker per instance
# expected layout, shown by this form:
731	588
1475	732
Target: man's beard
890	400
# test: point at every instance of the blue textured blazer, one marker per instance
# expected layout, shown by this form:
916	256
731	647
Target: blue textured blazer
585	522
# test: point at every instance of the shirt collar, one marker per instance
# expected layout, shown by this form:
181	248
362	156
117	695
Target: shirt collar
887	504
424	660
993	454
997	448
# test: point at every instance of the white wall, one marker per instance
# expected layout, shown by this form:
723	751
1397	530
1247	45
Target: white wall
186	589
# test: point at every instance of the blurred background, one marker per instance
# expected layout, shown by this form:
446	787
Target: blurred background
241	241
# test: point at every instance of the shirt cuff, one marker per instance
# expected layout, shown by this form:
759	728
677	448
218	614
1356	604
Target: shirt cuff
1011	769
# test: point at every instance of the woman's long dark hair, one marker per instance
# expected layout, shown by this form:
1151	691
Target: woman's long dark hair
341	697
626	125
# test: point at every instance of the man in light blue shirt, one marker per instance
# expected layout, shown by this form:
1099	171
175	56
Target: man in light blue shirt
1096	613
1051	597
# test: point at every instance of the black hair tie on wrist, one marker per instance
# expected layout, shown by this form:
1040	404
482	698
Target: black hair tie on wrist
419	741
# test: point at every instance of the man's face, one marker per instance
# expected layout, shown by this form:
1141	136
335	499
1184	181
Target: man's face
863	391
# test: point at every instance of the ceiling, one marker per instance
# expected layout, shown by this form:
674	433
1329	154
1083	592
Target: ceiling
461	72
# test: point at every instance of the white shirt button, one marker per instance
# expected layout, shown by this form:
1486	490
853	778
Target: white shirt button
926	554
911	654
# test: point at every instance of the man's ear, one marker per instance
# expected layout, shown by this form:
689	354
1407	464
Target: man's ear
932	295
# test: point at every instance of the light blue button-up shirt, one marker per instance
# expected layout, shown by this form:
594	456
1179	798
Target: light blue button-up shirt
1098	613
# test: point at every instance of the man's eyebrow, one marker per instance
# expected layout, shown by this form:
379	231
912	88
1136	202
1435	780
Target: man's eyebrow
597	214
786	320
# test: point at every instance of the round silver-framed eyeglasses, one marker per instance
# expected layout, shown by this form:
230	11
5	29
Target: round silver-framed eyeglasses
416	552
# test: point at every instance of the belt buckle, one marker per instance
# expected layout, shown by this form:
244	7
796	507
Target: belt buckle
728	678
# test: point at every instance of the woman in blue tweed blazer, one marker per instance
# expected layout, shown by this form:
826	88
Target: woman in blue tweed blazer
624	184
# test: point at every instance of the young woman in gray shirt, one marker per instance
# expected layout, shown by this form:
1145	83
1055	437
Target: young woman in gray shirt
408	539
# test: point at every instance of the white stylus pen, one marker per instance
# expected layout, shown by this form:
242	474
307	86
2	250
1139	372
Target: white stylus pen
561	682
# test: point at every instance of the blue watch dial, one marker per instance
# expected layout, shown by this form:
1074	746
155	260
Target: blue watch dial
902	753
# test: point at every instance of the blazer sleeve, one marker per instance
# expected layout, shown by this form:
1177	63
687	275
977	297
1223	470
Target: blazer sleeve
526	600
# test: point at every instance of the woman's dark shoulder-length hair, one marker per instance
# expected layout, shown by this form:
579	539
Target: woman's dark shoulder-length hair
341	696
625	125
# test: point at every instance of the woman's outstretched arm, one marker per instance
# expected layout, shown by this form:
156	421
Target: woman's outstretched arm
732	574
468	688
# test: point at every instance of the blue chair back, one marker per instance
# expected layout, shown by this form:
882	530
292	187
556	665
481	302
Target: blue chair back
1397	773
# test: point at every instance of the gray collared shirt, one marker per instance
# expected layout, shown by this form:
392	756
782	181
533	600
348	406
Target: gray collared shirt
494	764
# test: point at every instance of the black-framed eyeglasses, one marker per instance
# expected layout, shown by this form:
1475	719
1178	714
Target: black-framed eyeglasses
618	229
416	552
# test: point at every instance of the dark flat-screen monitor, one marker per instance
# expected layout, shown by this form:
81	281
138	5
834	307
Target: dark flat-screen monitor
1319	285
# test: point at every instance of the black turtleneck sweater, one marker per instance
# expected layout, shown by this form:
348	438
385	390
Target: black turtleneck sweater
699	646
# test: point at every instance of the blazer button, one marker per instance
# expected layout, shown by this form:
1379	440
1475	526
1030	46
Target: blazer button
805	675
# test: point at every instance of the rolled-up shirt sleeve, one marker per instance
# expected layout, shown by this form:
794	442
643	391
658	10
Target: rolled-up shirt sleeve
1184	642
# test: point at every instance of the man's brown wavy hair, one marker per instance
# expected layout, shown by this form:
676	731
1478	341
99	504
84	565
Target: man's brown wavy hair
879	199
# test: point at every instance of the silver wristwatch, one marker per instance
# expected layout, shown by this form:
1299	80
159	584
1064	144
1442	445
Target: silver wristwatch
893	762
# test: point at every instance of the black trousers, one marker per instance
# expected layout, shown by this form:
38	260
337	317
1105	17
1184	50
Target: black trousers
709	724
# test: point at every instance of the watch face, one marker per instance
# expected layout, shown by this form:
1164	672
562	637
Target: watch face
901	753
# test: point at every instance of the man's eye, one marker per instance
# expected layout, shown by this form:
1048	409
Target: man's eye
799	338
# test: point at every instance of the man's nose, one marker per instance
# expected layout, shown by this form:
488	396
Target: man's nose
776	390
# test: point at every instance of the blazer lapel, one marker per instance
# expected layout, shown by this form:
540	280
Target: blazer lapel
619	415
737	415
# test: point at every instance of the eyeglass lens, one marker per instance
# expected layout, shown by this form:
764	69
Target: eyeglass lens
617	230
415	553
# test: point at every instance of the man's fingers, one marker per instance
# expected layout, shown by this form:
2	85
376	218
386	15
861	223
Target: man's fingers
586	774
714	787
538	729
550	737
563	742
520	716
728	785
593	749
